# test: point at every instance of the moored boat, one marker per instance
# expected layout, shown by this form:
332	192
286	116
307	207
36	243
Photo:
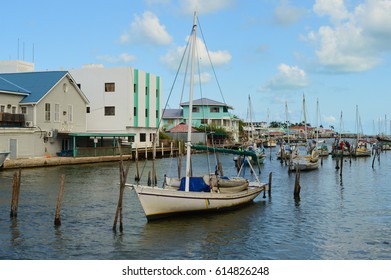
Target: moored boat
197	194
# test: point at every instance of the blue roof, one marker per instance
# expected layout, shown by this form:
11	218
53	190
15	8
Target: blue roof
37	84
204	102
172	113
6	85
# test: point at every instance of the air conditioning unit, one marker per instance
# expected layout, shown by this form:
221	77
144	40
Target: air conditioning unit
28	124
49	133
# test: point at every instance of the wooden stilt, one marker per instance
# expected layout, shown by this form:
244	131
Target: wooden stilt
296	192
123	175
270	184
149	183
57	219
15	194
340	171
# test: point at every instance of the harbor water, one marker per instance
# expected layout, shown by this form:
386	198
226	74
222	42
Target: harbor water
338	217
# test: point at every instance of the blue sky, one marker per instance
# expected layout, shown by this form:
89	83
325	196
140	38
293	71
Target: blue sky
334	51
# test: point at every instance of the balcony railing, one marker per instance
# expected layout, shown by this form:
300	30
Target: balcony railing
11	120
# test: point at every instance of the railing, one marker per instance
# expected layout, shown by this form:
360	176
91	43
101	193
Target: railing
11	120
103	151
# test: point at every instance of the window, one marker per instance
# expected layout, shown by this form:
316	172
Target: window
56	112
70	113
135	111
214	109
143	137
146	113
134	88
157	93
204	121
23	110
130	138
47	111
196	109
157	113
146	90
13	110
2	108
225	109
88	110
110	111
109	87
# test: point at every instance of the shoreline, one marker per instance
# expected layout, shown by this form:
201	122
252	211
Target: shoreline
56	161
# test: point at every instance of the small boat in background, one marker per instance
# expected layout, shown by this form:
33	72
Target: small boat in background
322	148
361	148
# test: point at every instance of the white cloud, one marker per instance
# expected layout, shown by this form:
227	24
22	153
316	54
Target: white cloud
356	40
288	78
146	29
123	57
329	119
172	59
286	14
204	6
334	8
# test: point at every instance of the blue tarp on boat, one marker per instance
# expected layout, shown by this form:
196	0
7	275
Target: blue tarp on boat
196	184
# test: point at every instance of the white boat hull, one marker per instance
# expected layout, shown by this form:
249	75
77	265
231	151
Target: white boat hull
158	202
305	163
3	156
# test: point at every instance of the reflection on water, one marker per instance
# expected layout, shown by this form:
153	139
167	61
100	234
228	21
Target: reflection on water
344	216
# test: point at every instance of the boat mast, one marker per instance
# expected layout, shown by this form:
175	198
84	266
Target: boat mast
305	120
287	121
357	136
317	119
188	143
251	120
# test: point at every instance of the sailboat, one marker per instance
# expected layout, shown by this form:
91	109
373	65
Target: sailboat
251	145
196	194
361	148
285	150
320	144
269	142
340	147
309	161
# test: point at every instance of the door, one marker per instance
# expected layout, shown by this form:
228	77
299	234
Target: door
13	148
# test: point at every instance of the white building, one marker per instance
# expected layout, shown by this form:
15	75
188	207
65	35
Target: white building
122	100
16	66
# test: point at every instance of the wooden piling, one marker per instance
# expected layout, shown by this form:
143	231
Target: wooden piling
282	153
376	155
296	192
15	194
123	175
149	183
57	219
270	184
